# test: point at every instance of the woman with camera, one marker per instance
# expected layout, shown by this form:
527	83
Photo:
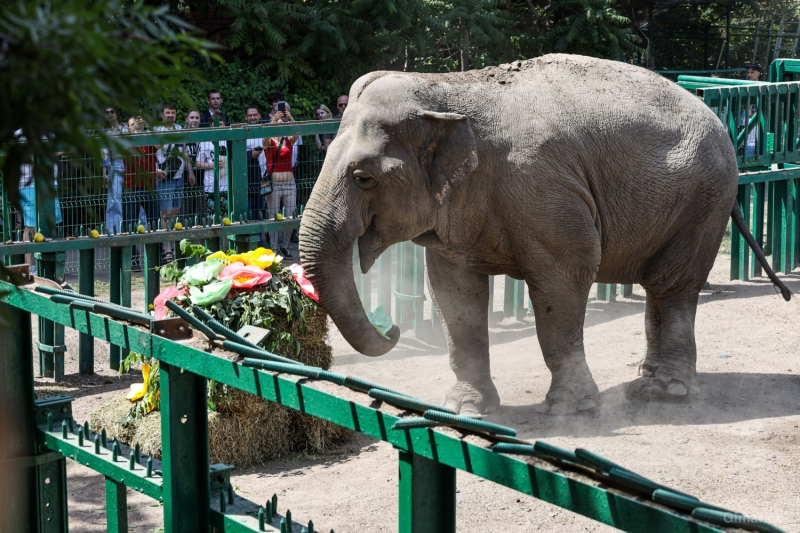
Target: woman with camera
279	175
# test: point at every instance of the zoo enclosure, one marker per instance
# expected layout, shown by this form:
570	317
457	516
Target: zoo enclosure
432	442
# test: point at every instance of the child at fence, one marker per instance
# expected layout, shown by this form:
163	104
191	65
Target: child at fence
205	161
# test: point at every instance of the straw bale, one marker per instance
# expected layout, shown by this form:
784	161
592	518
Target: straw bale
245	430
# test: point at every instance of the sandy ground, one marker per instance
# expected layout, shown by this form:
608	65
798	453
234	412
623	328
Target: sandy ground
737	445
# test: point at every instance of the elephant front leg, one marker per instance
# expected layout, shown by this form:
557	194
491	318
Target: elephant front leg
461	298
559	306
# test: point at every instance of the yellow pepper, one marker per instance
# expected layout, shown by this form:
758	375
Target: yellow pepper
138	390
260	257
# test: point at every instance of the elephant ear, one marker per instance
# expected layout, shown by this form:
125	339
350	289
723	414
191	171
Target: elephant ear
452	153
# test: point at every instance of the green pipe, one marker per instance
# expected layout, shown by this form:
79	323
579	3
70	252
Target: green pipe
720	81
257	353
221	328
51	291
273	366
104	309
466	422
414	423
683	503
407	401
363	385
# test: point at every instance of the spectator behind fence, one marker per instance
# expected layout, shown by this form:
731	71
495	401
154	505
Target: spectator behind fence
275	100
256	164
205	161
114	172
214	100
284	191
323	140
141	172
194	199
341	105
171	161
753	71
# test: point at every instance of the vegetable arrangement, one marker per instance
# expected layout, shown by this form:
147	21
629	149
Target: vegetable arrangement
251	288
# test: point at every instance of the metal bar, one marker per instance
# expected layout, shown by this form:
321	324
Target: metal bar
237	186
757	226
385	280
86	286
184	434
427	495
152	282
217	211
101	462
131	239
508	296
52	480
115	297
419	287
18	487
519	299
116	506
736	242
778	227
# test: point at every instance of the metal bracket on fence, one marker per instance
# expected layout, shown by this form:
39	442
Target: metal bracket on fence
253	334
23	272
58	348
220	476
171	328
60	407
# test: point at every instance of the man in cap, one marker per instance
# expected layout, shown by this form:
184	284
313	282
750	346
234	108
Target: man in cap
753	71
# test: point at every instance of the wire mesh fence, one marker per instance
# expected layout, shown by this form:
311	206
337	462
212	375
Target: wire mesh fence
155	186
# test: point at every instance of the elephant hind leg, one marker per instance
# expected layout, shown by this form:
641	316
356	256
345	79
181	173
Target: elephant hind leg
671	360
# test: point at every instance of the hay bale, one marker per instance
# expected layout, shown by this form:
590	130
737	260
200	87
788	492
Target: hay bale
245	430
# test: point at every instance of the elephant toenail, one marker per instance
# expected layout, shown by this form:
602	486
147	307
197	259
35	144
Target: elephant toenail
586	404
676	388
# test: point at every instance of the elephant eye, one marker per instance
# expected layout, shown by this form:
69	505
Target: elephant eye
364	180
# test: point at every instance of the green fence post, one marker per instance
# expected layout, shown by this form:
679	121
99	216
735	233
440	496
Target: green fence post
740	251
796	227
770	197
427	496
757	226
152	282
115	296
491	295
51	346
519	299
86	286
778	219
419	287
508	296
184	434
244	243
18	490
607	292
217	217
385	280
237	180
788	226
116	507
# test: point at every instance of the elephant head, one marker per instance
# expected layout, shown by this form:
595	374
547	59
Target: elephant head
389	172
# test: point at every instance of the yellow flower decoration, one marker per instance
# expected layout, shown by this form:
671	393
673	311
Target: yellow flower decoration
138	390
260	257
221	256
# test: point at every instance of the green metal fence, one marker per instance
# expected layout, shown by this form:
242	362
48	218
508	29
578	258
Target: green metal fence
432	442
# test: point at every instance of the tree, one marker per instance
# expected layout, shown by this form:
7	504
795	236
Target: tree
63	62
589	27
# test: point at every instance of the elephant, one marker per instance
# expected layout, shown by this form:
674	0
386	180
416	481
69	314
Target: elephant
562	171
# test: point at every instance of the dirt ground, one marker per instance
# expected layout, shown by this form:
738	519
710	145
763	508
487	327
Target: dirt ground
737	445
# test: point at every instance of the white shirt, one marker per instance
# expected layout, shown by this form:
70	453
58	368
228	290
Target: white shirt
262	159
295	150
205	154
164	151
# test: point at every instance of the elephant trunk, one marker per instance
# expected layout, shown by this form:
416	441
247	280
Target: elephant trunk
326	252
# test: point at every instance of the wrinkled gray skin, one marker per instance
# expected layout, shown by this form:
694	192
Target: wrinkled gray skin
562	171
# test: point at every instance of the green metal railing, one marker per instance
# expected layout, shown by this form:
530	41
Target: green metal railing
197	496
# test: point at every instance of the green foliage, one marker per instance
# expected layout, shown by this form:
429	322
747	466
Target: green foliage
591	28
62	63
189	249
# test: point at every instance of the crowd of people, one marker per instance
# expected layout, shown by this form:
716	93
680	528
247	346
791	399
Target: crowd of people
147	184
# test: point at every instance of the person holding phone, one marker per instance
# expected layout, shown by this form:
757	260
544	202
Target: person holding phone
279	164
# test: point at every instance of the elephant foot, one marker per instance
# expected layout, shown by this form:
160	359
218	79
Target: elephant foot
474	400
568	399
664	382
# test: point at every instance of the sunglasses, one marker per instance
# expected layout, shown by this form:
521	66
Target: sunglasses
110	112
341	105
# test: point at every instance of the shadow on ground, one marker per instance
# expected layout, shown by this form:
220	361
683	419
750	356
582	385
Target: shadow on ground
725	398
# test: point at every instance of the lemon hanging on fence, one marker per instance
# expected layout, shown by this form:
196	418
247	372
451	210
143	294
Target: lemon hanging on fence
94	233
38	237
140	228
178	226
226	221
278	217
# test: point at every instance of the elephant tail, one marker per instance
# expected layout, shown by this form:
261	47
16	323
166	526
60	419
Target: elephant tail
741	225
